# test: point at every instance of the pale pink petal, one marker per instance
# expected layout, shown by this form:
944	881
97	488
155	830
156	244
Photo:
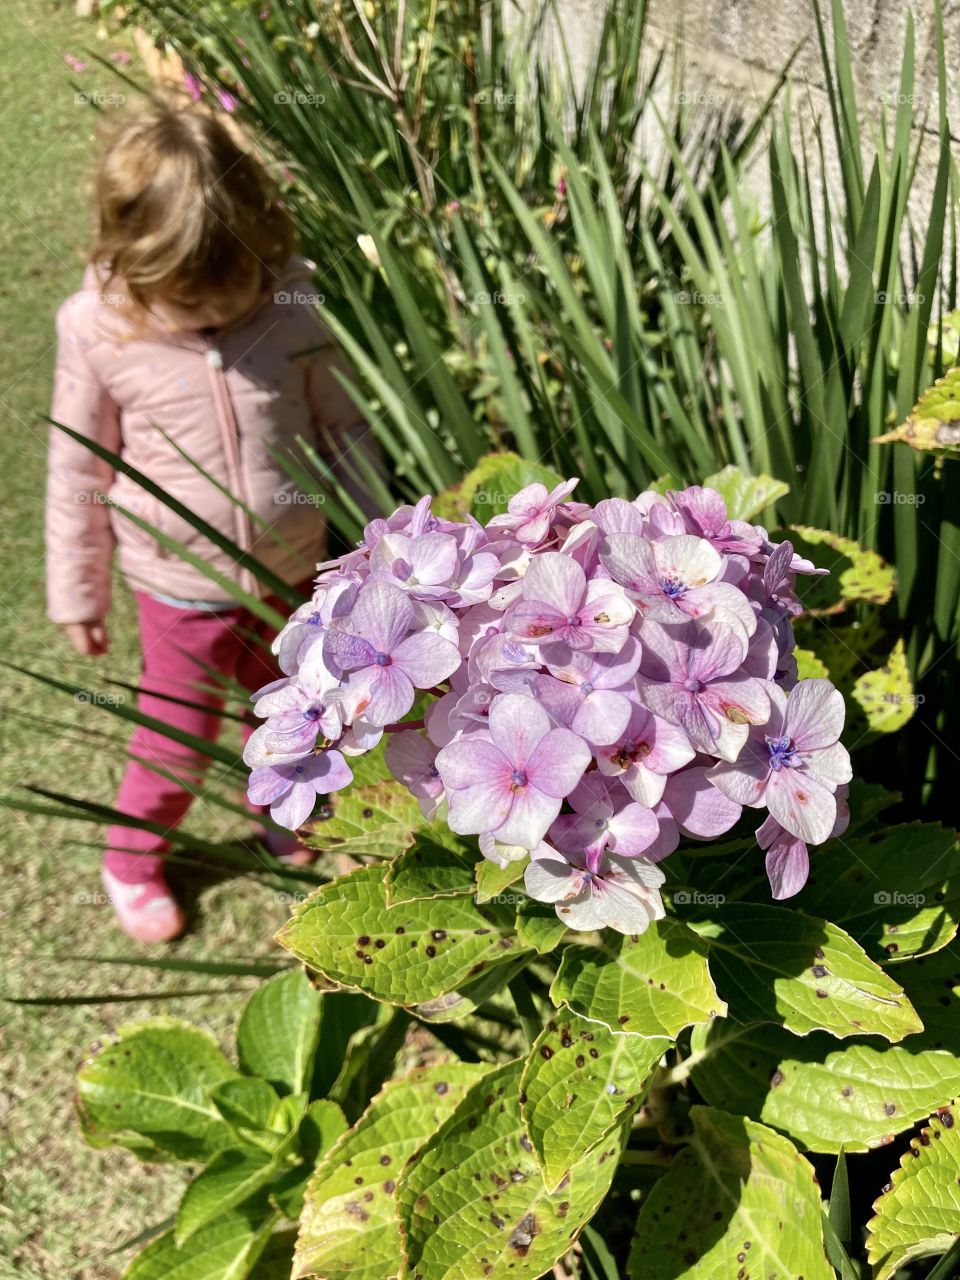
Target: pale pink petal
632	831
744	781
830	765
517	723
688	560
426	658
391	695
470	762
555	580
266	785
700	809
558	762
293	809
802	805
815	714
550	878
629	560
787	860
602	717
382	614
411	758
433	557
528	819
484	807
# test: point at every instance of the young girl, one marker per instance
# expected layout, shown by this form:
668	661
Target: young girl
184	337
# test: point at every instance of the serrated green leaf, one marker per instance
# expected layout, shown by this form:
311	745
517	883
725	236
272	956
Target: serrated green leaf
653	985
493	880
920	1215
539	926
580	1080
856	573
153	1081
409	954
246	1103
486	490
349	1229
230	1179
278	1029
738	1198
226	1249
886	695
823	1094
933	424
776	964
809	666
320	1126
378	820
474	1197
895	890
427	870
746	496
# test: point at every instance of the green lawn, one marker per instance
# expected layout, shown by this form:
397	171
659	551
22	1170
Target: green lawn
63	1206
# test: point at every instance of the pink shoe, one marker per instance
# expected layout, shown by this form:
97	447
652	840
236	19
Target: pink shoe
147	912
286	847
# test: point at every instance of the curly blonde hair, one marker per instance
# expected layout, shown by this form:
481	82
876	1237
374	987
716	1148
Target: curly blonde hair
185	212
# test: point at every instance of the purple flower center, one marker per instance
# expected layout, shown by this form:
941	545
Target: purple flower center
382	659
783	754
298	768
586	688
691	685
314	620
312	713
518	779
672	587
573	621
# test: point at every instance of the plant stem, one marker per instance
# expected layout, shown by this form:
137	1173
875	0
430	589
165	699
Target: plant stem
526	1008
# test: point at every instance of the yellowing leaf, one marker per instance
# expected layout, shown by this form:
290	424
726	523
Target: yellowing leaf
886	695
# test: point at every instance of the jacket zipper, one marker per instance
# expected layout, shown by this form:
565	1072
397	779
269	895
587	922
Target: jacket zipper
230	436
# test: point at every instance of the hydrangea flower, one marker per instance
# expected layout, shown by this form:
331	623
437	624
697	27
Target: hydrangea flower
599	682
510	781
794	763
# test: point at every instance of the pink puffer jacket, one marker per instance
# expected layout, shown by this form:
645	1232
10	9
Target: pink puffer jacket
226	401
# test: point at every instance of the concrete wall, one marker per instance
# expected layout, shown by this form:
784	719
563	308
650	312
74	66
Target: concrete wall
735	49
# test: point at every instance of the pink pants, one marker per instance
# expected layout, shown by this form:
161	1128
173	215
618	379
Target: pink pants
182	648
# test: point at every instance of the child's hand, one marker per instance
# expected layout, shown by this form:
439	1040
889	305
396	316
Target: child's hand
88	638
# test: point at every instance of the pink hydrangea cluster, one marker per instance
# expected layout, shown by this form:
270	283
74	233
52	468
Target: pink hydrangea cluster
601	681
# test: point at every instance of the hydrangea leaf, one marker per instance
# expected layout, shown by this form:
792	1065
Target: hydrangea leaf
278	1029
486	490
379	820
856	573
406	954
746	496
349	1228
428	870
948	336
897	891
152	1081
539	926
933	985
494	880
810	666
738	1200
652	985
825	1095
886	695
580	1081
226	1249
920	1214
248	1104
933	424
473	1201
777	964
470	995
232	1178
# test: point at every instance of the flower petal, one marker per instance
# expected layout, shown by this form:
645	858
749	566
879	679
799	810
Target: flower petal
558	762
517	724
426	658
815	714
382	614
700	808
802	805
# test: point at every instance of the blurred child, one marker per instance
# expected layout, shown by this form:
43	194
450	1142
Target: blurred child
184	336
